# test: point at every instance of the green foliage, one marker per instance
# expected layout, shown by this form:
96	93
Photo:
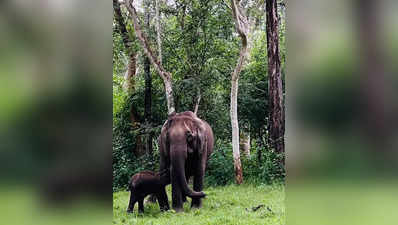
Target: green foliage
253	89
123	142
266	170
125	163
220	168
263	166
230	205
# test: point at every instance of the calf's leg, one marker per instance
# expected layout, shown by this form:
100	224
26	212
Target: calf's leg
132	202
141	205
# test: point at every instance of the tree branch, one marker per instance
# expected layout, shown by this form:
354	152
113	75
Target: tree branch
197	102
144	41
122	27
166	76
242	27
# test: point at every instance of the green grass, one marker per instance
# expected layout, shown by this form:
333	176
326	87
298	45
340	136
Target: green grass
223	205
23	205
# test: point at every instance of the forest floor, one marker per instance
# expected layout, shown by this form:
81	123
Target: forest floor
230	204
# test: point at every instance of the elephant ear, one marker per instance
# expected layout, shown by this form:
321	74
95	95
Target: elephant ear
201	139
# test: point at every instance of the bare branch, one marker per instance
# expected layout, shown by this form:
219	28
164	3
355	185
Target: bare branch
122	27
197	103
242	27
144	41
166	76
241	21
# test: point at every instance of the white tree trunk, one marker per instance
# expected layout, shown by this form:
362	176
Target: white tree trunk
158	31
197	102
242	26
235	131
169	96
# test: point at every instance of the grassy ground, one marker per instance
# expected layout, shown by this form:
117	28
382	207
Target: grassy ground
223	205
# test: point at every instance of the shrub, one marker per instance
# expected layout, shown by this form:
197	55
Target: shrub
220	168
125	163
265	169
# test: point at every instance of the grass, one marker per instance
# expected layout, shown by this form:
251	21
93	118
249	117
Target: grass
353	202
23	205
223	205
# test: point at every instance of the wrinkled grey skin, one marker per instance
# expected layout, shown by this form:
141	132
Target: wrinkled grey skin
185	145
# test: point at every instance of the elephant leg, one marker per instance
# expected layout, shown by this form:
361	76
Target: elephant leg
177	194
164	164
184	197
141	206
163	200
132	202
198	185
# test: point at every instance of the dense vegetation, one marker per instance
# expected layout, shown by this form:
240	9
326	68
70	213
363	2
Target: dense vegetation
200	48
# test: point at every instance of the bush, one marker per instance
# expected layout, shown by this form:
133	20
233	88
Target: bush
265	169
220	167
125	163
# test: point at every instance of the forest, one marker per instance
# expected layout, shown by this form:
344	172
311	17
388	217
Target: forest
65	156
200	56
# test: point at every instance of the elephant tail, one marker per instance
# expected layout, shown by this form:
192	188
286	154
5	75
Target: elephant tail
179	173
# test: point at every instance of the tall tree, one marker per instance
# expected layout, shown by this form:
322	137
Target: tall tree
158	30
148	83
242	27
165	75
128	44
276	114
128	84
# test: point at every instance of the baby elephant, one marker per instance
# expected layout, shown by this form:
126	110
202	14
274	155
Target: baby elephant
145	183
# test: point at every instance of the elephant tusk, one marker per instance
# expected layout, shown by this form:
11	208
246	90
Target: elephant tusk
186	126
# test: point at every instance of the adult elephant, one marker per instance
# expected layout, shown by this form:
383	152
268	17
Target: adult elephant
185	145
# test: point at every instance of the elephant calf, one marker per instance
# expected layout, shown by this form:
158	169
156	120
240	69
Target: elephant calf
145	183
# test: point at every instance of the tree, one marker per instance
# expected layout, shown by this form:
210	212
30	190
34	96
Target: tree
275	89
242	27
158	31
165	75
148	84
128	44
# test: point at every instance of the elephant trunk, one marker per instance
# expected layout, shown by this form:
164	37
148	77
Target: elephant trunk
178	172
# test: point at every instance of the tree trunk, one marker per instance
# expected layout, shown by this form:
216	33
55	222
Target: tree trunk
166	76
131	67
241	25
148	103
148	87
158	31
276	116
235	131
121	25
129	83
